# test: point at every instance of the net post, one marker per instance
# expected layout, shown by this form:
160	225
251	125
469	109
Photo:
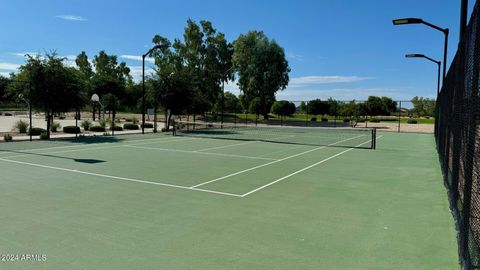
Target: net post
174	128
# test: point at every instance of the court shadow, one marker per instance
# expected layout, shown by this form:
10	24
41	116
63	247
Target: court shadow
88	161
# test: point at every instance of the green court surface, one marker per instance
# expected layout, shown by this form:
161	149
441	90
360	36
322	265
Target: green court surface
165	202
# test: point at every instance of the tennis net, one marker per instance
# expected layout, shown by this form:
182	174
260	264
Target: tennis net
316	136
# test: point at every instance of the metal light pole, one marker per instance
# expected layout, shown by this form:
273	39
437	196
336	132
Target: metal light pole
143	85
443	30
439	63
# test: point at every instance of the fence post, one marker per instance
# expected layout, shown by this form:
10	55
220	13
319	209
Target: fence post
399	114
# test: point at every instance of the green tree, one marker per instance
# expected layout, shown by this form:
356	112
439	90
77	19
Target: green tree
302	107
423	106
333	106
53	87
206	56
318	107
230	103
4	81
390	105
110	77
84	65
262	68
283	108
255	106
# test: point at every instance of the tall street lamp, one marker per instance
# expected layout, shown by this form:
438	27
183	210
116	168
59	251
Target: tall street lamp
143	85
439	63
443	30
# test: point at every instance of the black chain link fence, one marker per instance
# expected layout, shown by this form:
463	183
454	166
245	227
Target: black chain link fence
457	133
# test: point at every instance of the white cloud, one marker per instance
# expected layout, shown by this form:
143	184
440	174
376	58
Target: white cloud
326	79
295	56
71	17
24	54
4	74
344	94
136	72
137	58
9	66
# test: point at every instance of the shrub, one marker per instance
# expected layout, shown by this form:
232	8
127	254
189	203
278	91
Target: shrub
164	129
148	125
7	114
346	120
21	126
130	126
36	131
324	119
361	120
44	136
117	128
412	121
102	123
86	124
374	120
7	137
54	127
97	129
313	119
71	129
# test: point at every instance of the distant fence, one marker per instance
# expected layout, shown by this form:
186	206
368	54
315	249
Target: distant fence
458	140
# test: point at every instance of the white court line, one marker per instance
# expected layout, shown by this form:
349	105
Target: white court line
304	169
270	163
224	146
282	150
90	148
27	151
196	152
118	178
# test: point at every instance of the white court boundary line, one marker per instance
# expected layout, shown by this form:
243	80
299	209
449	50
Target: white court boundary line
197	152
270	163
304	169
119	178
193	188
224	146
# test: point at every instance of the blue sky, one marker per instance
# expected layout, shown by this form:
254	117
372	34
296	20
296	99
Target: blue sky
346	49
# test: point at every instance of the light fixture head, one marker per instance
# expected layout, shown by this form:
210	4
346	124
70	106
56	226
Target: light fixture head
407	21
415	55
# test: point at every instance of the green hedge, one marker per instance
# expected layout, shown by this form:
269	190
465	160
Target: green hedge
97	129
36	131
374	120
148	125
117	128
130	126
71	129
412	121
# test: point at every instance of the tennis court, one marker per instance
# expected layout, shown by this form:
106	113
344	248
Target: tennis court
193	202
